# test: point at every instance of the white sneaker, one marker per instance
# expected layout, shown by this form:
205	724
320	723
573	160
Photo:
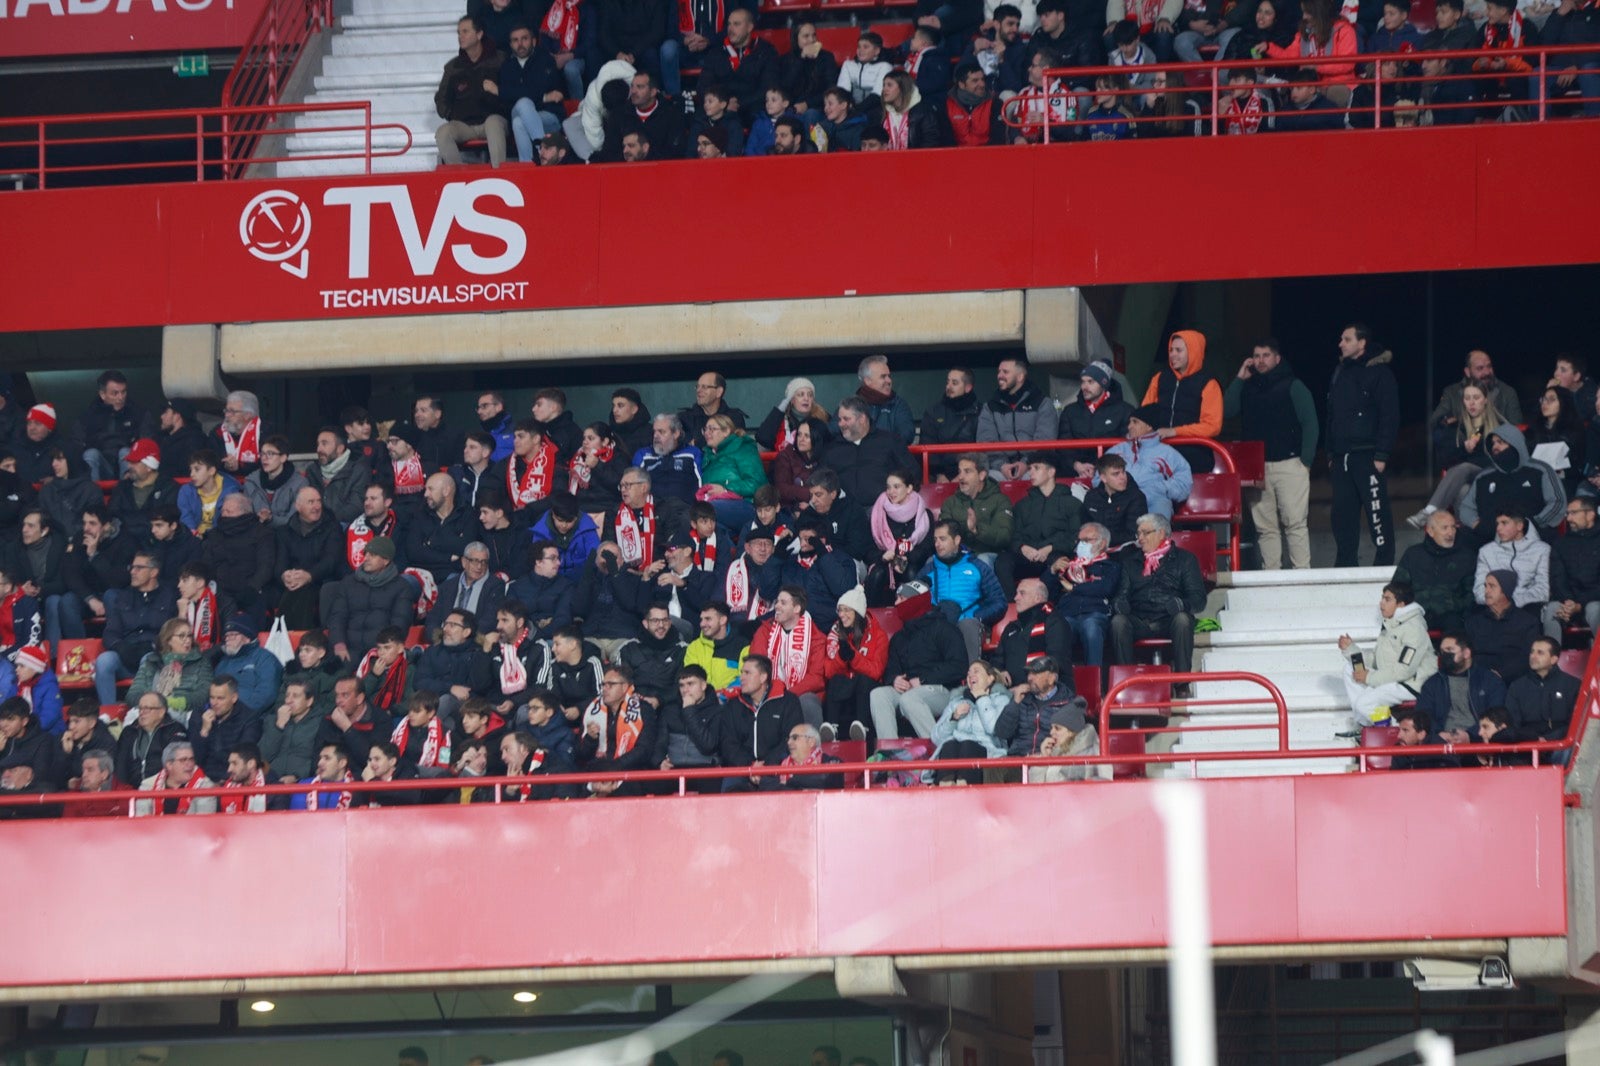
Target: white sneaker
829	732
858	731
1420	519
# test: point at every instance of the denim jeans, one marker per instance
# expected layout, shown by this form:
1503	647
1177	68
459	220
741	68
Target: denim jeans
734	513
672	53
1588	85
530	124
1090	631
108	670
102	467
573	72
63	618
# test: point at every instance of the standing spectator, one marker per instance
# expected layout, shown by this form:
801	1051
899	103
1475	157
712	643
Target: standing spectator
1516	547
797	463
952	420
1402	659
1188	398
1099	412
1089	580
180	437
710	390
963	586
109	427
1441	571
863	456
807	70
925	662
1115	501
309	551
133	620
1044	524
273	489
142	488
1541	700
200	500
966	728
1477	370
1461	447
1363	419
1019	412
857	654
1276	408
794	646
1461	692
1513	479
1501	632
468	97
177	669
532	87
1575	572
366	601
980	509
238	438
1160	470
241	552
340	478
900	532
1162	592
799	405
671	464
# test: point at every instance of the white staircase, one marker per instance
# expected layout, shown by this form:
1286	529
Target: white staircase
1283	625
392	53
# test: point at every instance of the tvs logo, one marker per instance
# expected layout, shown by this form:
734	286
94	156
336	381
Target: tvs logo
274	227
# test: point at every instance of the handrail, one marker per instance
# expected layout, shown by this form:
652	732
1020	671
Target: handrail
1109	703
202	137
265	63
1536	57
1224	457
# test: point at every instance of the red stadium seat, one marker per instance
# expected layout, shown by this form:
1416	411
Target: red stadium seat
785	7
112	713
1250	461
1214	498
1016	490
847	751
416	636
75	664
1572	661
1086	680
1203	544
893	34
993	640
1152	692
847	5
935	493
840	40
888	618
1380	736
1120	743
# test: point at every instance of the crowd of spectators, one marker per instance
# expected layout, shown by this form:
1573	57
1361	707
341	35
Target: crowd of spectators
529	595
622	68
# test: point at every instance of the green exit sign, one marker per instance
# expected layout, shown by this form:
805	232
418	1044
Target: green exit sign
195	66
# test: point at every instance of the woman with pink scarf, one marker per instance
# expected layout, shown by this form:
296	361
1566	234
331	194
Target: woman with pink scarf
900	527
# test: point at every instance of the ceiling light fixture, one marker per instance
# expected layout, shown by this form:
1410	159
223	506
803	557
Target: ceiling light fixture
525	997
263	1006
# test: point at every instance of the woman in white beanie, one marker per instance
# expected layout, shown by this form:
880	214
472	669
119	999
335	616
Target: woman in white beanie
799	403
857	655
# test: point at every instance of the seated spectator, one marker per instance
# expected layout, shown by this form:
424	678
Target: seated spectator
92	568
545	591
421	738
275	487
756	721
966	728
355	722
717	122
1573	23
901	535
841	515
1461	692
367	600
862	455
1034	632
619	732
340	478
1505	30
385	672
1099	412
1071	735
731	471
856	656
572	531
969	114
980	509
1026	723
19	614
710	392
789	137
1402	660
764	129
179	773
85	734
176	669
143	488
1495	728
134	617
315	664
670	461
1560	431
805	749
1309	109
180	437
170	544
1501	632
655	657
1162	473
28	676
238	438
256	670
455	667
475	474
1441	570
35	560
690	733
140	746
807	70
796	649
468	97
1461	443
1416	728
333	767
524	756
239	549
1540	701
1044	524
1089	580
67	493
611	597
309	552
436	538
1323	33
863	74
596	468
199	501
1162	592
533	472
822	571
403	470
741	63
35	443
719	650
570	670
244	771
1195	27
677	584
109	426
710	540
481	727
220	725
1154	24
506	544
799	405
1391	96
1516	547
641	525
384	764
377	519
1041	101
924	664
476	590
1449	101
797	462
908	119
1574	572
1107	119
533	89
963	586
1394	32
1019	412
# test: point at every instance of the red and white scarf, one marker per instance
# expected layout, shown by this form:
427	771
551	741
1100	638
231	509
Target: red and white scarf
1350	10
1078	569
25	688
743	597
561	24
814	759
1041	104
1146	11
790	652
160	805
579	473
1504	36
537	478
914	61
630	723
435	745
314	801
898	127
408	475
247	446
513	672
1237	119
360	534
202	617
636	534
705	553
737	55
1153	559
393	686
236	804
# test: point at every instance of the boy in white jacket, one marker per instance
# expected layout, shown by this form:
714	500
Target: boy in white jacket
863	76
1402	659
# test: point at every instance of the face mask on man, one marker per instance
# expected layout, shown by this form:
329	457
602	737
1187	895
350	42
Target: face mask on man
1085	550
1451	663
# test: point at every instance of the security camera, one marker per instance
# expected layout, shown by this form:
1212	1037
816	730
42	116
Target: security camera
1458	975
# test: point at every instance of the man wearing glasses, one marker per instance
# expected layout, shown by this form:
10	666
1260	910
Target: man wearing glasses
619	730
1574	572
805	749
1162	592
133	618
474	590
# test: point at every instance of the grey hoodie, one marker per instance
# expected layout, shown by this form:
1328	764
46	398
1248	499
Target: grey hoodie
1522	480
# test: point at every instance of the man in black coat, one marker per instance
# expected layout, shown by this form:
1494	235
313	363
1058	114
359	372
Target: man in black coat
180	437
655	658
1117	502
531	89
482	597
756	723
862	456
1162	602
1441	570
951	420
439	535
1363	420
1100	412
1541	700
224	724
927	659
1575	571
743	64
110	426
844	517
1501	632
658	115
366	601
1034	632
241	552
310	553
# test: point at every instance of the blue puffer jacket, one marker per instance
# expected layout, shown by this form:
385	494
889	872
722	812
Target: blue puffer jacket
977	724
258	673
969	583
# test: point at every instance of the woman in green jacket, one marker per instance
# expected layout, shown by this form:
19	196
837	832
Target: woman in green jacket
730	472
176	670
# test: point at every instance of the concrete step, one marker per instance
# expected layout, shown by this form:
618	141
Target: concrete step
1353	596
369	8
418	160
1307	729
400	20
395	67
1321	658
1337	618
439	40
1330	576
363	85
420	122
1282	638
351	141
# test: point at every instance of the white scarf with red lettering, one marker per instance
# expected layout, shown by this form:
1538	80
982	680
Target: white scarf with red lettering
160	805
1506	36
513	673
343	804
791	652
705	553
1246	119
246	447
814	759
743	597
561	23
636	534
360	534
537	478
435	746
580	473
235	804
202	617
1038	105
898	127
408	475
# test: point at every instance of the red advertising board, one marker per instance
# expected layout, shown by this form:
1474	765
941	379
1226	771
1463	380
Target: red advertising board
98	27
458	240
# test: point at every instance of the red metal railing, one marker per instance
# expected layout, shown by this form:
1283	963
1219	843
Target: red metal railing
263	68
202	128
1205	84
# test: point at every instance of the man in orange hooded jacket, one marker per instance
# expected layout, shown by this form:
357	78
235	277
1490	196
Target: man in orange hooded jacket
1189	397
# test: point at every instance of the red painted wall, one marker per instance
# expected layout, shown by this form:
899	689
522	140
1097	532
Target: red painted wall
1304	204
99	27
913	871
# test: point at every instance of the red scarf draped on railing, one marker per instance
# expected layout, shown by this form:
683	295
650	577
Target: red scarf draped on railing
561	24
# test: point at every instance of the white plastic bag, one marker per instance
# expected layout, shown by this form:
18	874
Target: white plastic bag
278	641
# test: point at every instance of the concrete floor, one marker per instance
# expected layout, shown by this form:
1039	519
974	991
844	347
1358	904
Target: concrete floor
1406	496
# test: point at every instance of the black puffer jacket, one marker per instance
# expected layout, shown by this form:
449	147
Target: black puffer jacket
317	549
108	430
361	604
1176	586
929	648
443	666
108	569
1541	707
690	736
1363	406
1575	566
1442	579
241	554
655	665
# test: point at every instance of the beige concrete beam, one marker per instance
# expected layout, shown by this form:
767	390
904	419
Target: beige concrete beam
189	363
573	335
